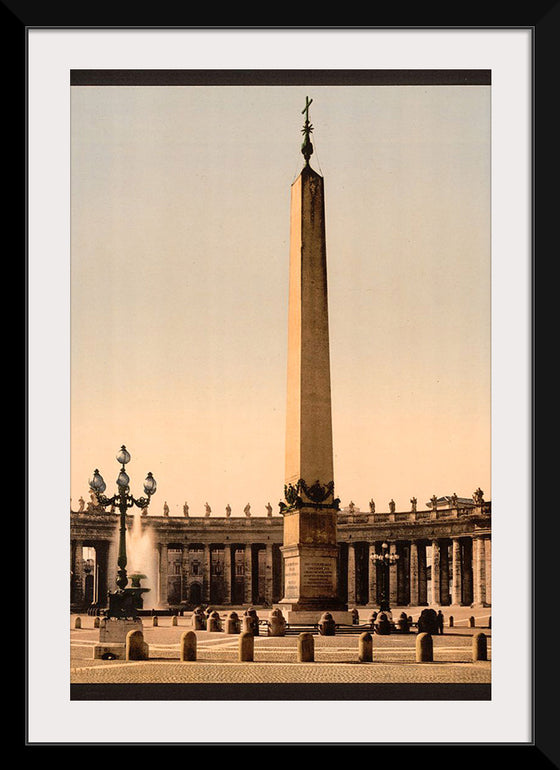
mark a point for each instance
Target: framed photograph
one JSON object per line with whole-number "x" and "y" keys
{"x": 169, "y": 171}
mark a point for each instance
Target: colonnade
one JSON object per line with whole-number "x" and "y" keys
{"x": 218, "y": 573}
{"x": 443, "y": 559}
{"x": 439, "y": 571}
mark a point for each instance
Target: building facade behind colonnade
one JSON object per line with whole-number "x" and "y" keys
{"x": 444, "y": 557}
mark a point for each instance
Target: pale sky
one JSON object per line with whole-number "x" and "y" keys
{"x": 179, "y": 289}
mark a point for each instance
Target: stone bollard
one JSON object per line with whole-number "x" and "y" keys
{"x": 471, "y": 621}
{"x": 479, "y": 647}
{"x": 199, "y": 620}
{"x": 251, "y": 622}
{"x": 96, "y": 622}
{"x": 214, "y": 622}
{"x": 382, "y": 624}
{"x": 253, "y": 614}
{"x": 424, "y": 648}
{"x": 155, "y": 621}
{"x": 276, "y": 623}
{"x": 135, "y": 646}
{"x": 78, "y": 623}
{"x": 327, "y": 624}
{"x": 233, "y": 624}
{"x": 365, "y": 648}
{"x": 402, "y": 624}
{"x": 246, "y": 646}
{"x": 174, "y": 620}
{"x": 188, "y": 646}
{"x": 305, "y": 648}
{"x": 451, "y": 621}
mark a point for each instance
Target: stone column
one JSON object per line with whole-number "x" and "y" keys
{"x": 436, "y": 586}
{"x": 77, "y": 567}
{"x": 444, "y": 572}
{"x": 248, "y": 574}
{"x": 351, "y": 574}
{"x": 372, "y": 584}
{"x": 467, "y": 571}
{"x": 227, "y": 573}
{"x": 422, "y": 575}
{"x": 488, "y": 570}
{"x": 414, "y": 600}
{"x": 457, "y": 572}
{"x": 269, "y": 575}
{"x": 478, "y": 572}
{"x": 162, "y": 572}
{"x": 206, "y": 574}
{"x": 403, "y": 574}
{"x": 393, "y": 577}
{"x": 185, "y": 573}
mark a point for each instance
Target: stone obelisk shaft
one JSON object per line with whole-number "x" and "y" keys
{"x": 309, "y": 550}
{"x": 309, "y": 451}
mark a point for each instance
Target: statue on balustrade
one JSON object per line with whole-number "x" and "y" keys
{"x": 247, "y": 510}
{"x": 391, "y": 505}
{"x": 94, "y": 505}
{"x": 228, "y": 511}
{"x": 371, "y": 506}
{"x": 82, "y": 503}
{"x": 208, "y": 510}
{"x": 186, "y": 509}
{"x": 268, "y": 509}
{"x": 478, "y": 496}
{"x": 433, "y": 500}
{"x": 165, "y": 508}
{"x": 414, "y": 503}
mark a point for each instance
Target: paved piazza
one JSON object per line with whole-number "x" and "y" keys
{"x": 275, "y": 658}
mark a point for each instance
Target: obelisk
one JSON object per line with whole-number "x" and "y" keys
{"x": 310, "y": 553}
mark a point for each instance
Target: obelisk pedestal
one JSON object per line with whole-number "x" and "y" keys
{"x": 309, "y": 551}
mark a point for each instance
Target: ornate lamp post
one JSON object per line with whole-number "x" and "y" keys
{"x": 125, "y": 601}
{"x": 385, "y": 559}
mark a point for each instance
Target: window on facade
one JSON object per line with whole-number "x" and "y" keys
{"x": 195, "y": 568}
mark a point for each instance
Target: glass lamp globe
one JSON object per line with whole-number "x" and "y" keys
{"x": 123, "y": 480}
{"x": 150, "y": 485}
{"x": 123, "y": 456}
{"x": 97, "y": 483}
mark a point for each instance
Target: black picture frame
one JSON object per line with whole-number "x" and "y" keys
{"x": 18, "y": 17}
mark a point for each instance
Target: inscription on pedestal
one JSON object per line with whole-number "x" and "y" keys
{"x": 309, "y": 577}
{"x": 291, "y": 578}
{"x": 318, "y": 578}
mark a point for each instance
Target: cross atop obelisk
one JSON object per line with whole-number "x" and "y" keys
{"x": 307, "y": 147}
{"x": 309, "y": 550}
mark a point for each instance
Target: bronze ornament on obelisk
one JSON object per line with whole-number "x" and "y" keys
{"x": 309, "y": 551}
